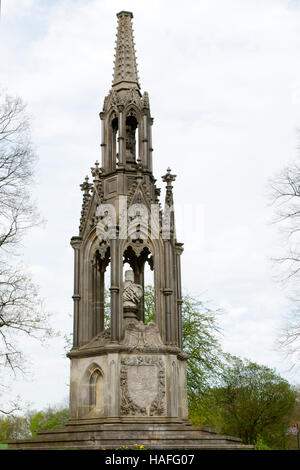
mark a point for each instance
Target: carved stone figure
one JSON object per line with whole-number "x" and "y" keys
{"x": 130, "y": 143}
{"x": 132, "y": 294}
{"x": 139, "y": 336}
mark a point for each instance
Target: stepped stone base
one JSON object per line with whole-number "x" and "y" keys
{"x": 109, "y": 435}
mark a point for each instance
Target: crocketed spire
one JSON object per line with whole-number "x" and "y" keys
{"x": 125, "y": 67}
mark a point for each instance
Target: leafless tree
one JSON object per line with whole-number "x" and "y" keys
{"x": 17, "y": 212}
{"x": 285, "y": 193}
{"x": 21, "y": 310}
{"x": 286, "y": 198}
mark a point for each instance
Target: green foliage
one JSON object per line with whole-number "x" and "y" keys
{"x": 149, "y": 304}
{"x": 106, "y": 309}
{"x": 14, "y": 427}
{"x": 200, "y": 341}
{"x": 203, "y": 410}
{"x": 290, "y": 442}
{"x": 48, "y": 419}
{"x": 254, "y": 402}
{"x": 260, "y": 445}
{"x": 27, "y": 426}
{"x": 4, "y": 424}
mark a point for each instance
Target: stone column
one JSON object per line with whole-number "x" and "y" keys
{"x": 169, "y": 245}
{"x": 94, "y": 299}
{"x": 150, "y": 145}
{"x": 168, "y": 292}
{"x": 121, "y": 138}
{"x": 114, "y": 148}
{"x": 145, "y": 141}
{"x": 97, "y": 291}
{"x": 172, "y": 285}
{"x": 114, "y": 289}
{"x": 139, "y": 279}
{"x": 101, "y": 301}
{"x": 76, "y": 244}
{"x": 179, "y": 251}
{"x": 103, "y": 145}
{"x": 113, "y": 395}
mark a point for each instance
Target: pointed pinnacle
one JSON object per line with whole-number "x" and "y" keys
{"x": 125, "y": 66}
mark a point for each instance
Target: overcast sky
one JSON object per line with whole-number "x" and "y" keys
{"x": 224, "y": 83}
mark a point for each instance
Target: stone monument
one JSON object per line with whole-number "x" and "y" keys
{"x": 128, "y": 379}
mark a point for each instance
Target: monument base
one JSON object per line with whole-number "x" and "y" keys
{"x": 127, "y": 394}
{"x": 89, "y": 435}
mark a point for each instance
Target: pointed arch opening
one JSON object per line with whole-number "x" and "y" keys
{"x": 136, "y": 258}
{"x": 130, "y": 141}
{"x": 113, "y": 139}
{"x": 149, "y": 295}
{"x": 100, "y": 266}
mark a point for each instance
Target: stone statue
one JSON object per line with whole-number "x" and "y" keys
{"x": 130, "y": 143}
{"x": 132, "y": 294}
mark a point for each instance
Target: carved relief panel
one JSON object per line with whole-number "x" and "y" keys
{"x": 143, "y": 386}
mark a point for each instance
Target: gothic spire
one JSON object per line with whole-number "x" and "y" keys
{"x": 125, "y": 66}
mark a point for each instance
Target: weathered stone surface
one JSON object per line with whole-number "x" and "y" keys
{"x": 139, "y": 336}
{"x": 143, "y": 385}
{"x": 112, "y": 436}
{"x": 136, "y": 382}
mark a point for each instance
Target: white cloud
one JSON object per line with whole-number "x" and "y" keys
{"x": 15, "y": 7}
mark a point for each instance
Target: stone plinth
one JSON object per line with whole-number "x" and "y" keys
{"x": 137, "y": 377}
{"x": 160, "y": 435}
{"x": 129, "y": 393}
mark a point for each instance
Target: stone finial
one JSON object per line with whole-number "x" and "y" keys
{"x": 168, "y": 178}
{"x": 86, "y": 186}
{"x": 145, "y": 100}
{"x": 86, "y": 189}
{"x": 96, "y": 173}
{"x": 125, "y": 66}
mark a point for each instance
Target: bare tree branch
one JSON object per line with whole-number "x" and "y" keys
{"x": 21, "y": 309}
{"x": 285, "y": 197}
